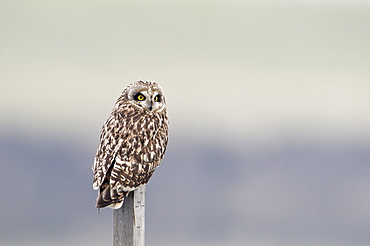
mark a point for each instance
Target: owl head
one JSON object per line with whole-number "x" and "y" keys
{"x": 146, "y": 95}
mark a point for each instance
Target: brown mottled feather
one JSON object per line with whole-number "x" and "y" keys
{"x": 132, "y": 144}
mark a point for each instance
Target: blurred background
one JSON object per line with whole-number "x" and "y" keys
{"x": 269, "y": 106}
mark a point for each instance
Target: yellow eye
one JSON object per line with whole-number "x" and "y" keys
{"x": 140, "y": 97}
{"x": 156, "y": 98}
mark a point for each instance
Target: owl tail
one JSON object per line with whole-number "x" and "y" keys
{"x": 105, "y": 199}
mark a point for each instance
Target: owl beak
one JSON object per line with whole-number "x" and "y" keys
{"x": 150, "y": 106}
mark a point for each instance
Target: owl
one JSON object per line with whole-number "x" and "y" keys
{"x": 133, "y": 141}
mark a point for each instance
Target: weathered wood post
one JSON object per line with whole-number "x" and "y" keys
{"x": 129, "y": 220}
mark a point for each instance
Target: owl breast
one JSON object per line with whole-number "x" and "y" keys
{"x": 141, "y": 150}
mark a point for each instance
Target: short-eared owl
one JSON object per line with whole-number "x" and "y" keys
{"x": 132, "y": 143}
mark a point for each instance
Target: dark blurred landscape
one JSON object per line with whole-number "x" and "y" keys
{"x": 293, "y": 191}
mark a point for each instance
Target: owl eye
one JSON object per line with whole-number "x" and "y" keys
{"x": 157, "y": 98}
{"x": 139, "y": 97}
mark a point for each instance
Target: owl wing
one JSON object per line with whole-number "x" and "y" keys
{"x": 113, "y": 133}
{"x": 106, "y": 151}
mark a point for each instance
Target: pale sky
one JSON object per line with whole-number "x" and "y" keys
{"x": 247, "y": 67}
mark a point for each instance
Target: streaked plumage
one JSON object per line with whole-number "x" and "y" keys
{"x": 133, "y": 141}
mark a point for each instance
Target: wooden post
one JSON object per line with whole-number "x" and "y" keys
{"x": 129, "y": 220}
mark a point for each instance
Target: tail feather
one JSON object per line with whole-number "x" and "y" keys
{"x": 105, "y": 199}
